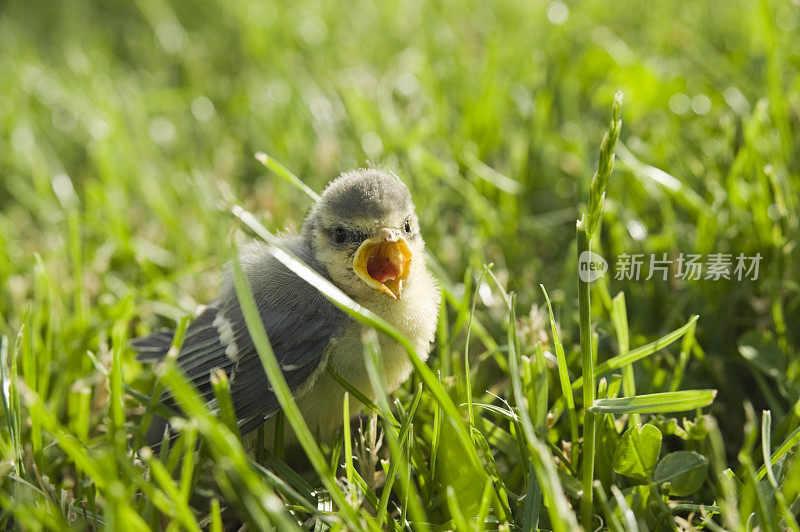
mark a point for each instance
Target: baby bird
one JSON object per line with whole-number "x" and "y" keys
{"x": 363, "y": 235}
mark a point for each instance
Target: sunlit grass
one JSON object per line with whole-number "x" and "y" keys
{"x": 128, "y": 132}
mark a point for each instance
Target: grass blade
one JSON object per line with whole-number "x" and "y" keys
{"x": 561, "y": 515}
{"x": 286, "y": 174}
{"x": 563, "y": 373}
{"x": 363, "y": 399}
{"x": 640, "y": 352}
{"x": 792, "y": 440}
{"x": 234, "y": 474}
{"x": 180, "y": 509}
{"x": 284, "y": 395}
{"x": 619, "y": 317}
{"x": 656, "y": 403}
{"x": 348, "y": 446}
{"x": 588, "y": 378}
{"x": 219, "y": 384}
{"x": 766, "y": 432}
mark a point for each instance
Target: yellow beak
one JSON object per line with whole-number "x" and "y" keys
{"x": 383, "y": 262}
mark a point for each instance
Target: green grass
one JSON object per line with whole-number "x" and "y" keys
{"x": 129, "y": 131}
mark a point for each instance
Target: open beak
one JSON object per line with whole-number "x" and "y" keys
{"x": 384, "y": 261}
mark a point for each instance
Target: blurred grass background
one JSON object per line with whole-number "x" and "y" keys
{"x": 118, "y": 118}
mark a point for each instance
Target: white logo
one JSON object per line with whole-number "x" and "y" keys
{"x": 591, "y": 266}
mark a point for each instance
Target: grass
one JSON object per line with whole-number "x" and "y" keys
{"x": 128, "y": 133}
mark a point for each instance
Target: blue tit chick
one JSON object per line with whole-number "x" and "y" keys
{"x": 363, "y": 235}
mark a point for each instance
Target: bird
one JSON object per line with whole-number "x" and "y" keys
{"x": 363, "y": 235}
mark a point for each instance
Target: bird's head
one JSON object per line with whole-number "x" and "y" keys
{"x": 365, "y": 232}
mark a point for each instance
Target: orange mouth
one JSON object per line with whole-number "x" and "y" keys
{"x": 383, "y": 265}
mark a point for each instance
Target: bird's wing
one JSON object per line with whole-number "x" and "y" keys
{"x": 299, "y": 321}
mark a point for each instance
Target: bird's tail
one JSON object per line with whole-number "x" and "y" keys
{"x": 153, "y": 347}
{"x": 150, "y": 349}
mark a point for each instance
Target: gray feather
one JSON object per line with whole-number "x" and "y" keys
{"x": 299, "y": 322}
{"x": 153, "y": 347}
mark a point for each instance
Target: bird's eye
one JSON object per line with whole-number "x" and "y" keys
{"x": 340, "y": 235}
{"x": 407, "y": 226}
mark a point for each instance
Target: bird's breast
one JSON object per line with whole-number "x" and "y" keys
{"x": 415, "y": 316}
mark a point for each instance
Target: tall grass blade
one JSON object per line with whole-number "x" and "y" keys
{"x": 563, "y": 373}
{"x": 766, "y": 433}
{"x": 790, "y": 441}
{"x": 639, "y": 353}
{"x": 656, "y": 403}
{"x": 234, "y": 474}
{"x": 286, "y": 174}
{"x": 284, "y": 395}
{"x": 561, "y": 515}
